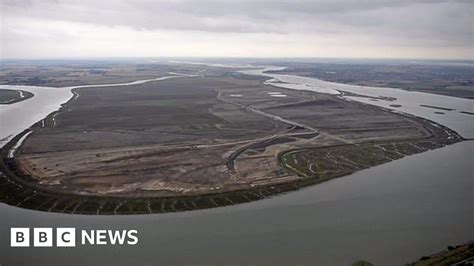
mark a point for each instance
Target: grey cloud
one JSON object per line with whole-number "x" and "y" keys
{"x": 439, "y": 23}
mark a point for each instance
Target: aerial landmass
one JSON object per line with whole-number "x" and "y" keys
{"x": 205, "y": 137}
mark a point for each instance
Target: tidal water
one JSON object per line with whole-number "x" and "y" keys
{"x": 389, "y": 214}
{"x": 14, "y": 118}
{"x": 453, "y": 112}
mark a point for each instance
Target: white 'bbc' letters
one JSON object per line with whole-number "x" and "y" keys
{"x": 43, "y": 237}
{"x": 65, "y": 237}
{"x": 20, "y": 237}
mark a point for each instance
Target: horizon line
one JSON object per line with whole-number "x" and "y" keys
{"x": 232, "y": 57}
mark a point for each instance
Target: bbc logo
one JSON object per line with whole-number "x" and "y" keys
{"x": 42, "y": 237}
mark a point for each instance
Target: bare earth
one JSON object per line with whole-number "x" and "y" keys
{"x": 208, "y": 135}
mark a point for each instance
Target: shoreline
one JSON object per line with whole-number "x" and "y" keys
{"x": 89, "y": 205}
{"x": 452, "y": 255}
{"x": 40, "y": 197}
{"x": 70, "y": 89}
{"x": 394, "y": 99}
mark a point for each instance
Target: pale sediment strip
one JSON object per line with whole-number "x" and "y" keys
{"x": 12, "y": 151}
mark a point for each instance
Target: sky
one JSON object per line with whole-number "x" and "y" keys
{"x": 34, "y": 29}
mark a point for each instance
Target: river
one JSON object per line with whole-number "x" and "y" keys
{"x": 14, "y": 118}
{"x": 453, "y": 112}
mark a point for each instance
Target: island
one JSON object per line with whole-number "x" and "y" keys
{"x": 8, "y": 96}
{"x": 199, "y": 141}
